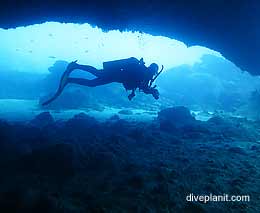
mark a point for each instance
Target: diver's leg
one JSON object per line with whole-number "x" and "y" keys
{"x": 63, "y": 82}
{"x": 90, "y": 83}
{"x": 74, "y": 65}
{"x": 90, "y": 69}
{"x": 57, "y": 94}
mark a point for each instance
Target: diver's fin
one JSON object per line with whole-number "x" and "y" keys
{"x": 63, "y": 83}
{"x": 64, "y": 78}
{"x": 57, "y": 94}
{"x": 50, "y": 100}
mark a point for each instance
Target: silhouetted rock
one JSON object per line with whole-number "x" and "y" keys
{"x": 114, "y": 118}
{"x": 82, "y": 119}
{"x": 82, "y": 165}
{"x": 42, "y": 120}
{"x": 173, "y": 117}
{"x": 81, "y": 125}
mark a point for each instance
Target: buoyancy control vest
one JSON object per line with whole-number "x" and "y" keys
{"x": 130, "y": 71}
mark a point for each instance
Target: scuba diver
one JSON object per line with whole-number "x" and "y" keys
{"x": 131, "y": 72}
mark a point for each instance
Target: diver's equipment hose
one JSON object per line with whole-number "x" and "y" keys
{"x": 151, "y": 82}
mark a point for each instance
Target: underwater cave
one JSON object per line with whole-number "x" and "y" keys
{"x": 175, "y": 129}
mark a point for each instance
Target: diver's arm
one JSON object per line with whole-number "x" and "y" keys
{"x": 130, "y": 97}
{"x": 151, "y": 90}
{"x": 144, "y": 86}
{"x": 147, "y": 90}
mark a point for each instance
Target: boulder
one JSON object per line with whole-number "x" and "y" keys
{"x": 114, "y": 118}
{"x": 175, "y": 117}
{"x": 42, "y": 120}
{"x": 81, "y": 125}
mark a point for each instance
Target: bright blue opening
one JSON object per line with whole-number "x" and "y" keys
{"x": 35, "y": 48}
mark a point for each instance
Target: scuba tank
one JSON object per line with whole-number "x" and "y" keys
{"x": 120, "y": 64}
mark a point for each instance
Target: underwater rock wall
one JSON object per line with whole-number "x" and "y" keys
{"x": 213, "y": 84}
{"x": 82, "y": 165}
{"x": 229, "y": 27}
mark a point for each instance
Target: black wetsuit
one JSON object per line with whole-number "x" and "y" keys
{"x": 132, "y": 75}
{"x": 130, "y": 72}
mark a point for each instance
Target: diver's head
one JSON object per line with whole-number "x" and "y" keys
{"x": 153, "y": 68}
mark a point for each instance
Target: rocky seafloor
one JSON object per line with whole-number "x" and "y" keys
{"x": 84, "y": 165}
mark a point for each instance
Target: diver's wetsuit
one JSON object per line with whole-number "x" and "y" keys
{"x": 102, "y": 77}
{"x": 132, "y": 78}
{"x": 132, "y": 75}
